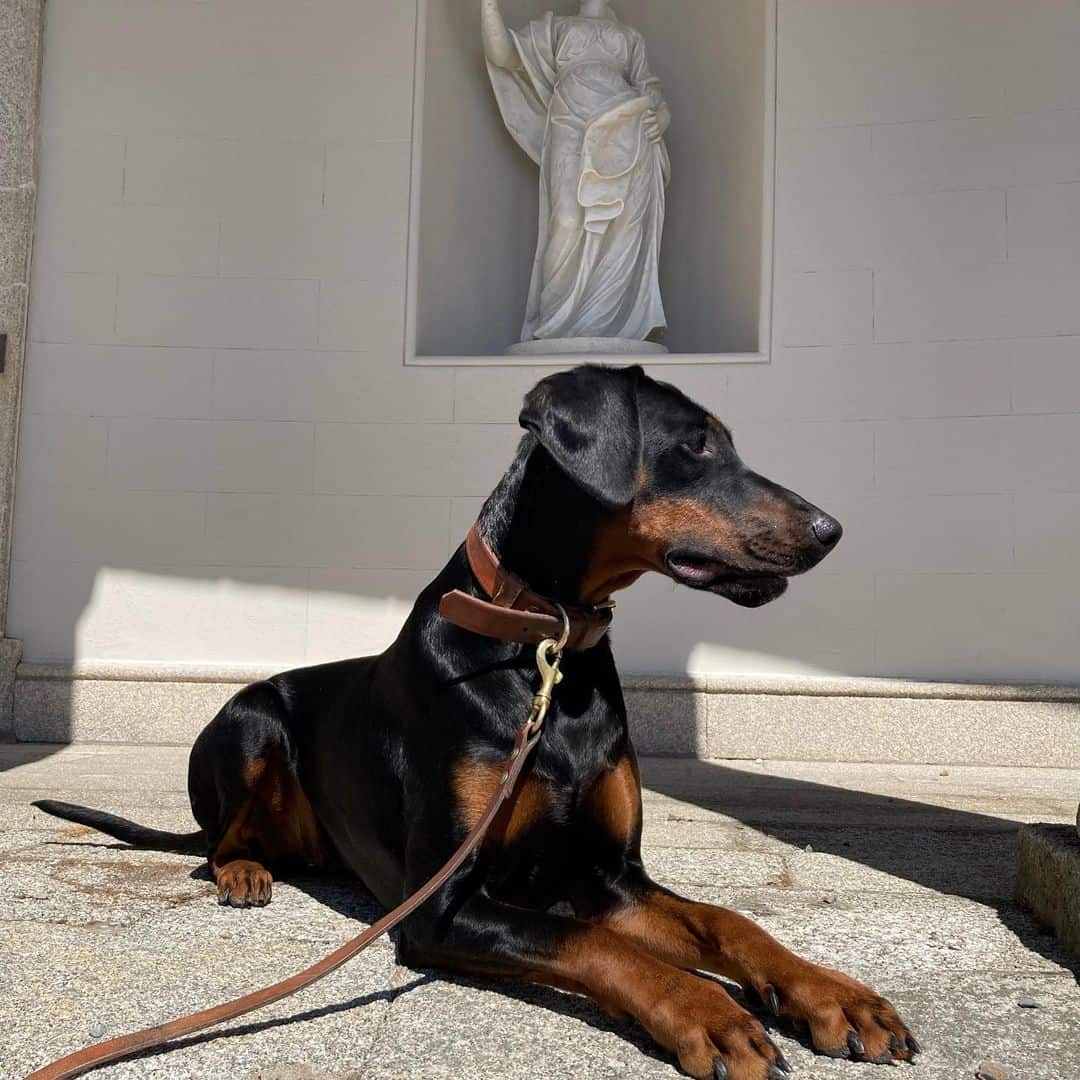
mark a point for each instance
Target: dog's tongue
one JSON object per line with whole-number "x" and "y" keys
{"x": 699, "y": 570}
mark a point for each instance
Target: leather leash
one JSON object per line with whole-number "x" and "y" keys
{"x": 548, "y": 654}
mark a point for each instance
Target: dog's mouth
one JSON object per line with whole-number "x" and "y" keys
{"x": 746, "y": 588}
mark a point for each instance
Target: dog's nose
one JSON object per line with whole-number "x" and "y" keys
{"x": 827, "y": 530}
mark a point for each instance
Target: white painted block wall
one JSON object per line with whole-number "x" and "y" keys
{"x": 223, "y": 460}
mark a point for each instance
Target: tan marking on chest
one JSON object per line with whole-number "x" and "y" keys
{"x": 615, "y": 799}
{"x": 475, "y": 783}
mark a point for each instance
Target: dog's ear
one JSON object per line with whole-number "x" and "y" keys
{"x": 587, "y": 420}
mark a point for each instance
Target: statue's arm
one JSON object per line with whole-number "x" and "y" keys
{"x": 498, "y": 45}
{"x": 663, "y": 115}
{"x": 649, "y": 85}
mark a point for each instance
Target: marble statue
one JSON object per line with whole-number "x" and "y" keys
{"x": 577, "y": 95}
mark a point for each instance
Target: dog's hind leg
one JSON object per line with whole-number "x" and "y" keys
{"x": 246, "y": 793}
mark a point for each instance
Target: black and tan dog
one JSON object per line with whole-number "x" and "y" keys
{"x": 384, "y": 763}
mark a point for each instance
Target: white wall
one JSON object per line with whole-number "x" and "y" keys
{"x": 224, "y": 461}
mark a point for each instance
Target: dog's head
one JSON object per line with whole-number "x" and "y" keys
{"x": 679, "y": 500}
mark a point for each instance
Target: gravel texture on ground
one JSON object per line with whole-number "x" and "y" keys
{"x": 902, "y": 876}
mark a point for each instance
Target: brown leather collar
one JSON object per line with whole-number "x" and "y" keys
{"x": 515, "y": 612}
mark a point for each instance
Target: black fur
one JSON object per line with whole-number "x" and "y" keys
{"x": 131, "y": 833}
{"x": 588, "y": 421}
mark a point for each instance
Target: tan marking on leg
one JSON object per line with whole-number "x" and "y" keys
{"x": 253, "y": 771}
{"x": 275, "y": 822}
{"x": 694, "y": 1018}
{"x": 694, "y": 935}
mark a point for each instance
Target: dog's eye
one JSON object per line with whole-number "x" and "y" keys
{"x": 698, "y": 446}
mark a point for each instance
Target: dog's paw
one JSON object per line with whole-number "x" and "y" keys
{"x": 846, "y": 1019}
{"x": 242, "y": 883}
{"x": 715, "y": 1038}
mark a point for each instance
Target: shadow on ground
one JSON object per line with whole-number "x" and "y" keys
{"x": 28, "y": 753}
{"x": 953, "y": 852}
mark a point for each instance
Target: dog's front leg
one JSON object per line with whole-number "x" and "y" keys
{"x": 695, "y": 1018}
{"x": 846, "y": 1019}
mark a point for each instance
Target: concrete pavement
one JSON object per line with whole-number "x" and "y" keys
{"x": 901, "y": 875}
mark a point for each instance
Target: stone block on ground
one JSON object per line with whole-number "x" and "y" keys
{"x": 1048, "y": 879}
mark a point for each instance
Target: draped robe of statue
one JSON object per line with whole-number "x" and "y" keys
{"x": 576, "y": 105}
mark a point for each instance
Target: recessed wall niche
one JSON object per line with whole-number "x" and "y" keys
{"x": 473, "y": 220}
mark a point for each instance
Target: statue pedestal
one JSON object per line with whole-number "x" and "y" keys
{"x": 586, "y": 346}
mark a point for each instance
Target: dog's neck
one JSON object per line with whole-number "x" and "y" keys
{"x": 541, "y": 525}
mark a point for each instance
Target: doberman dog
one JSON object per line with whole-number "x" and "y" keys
{"x": 384, "y": 763}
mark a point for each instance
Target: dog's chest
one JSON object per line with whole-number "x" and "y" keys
{"x": 549, "y": 830}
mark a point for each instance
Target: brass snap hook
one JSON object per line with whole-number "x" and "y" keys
{"x": 548, "y": 655}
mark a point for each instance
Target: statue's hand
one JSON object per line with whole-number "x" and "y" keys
{"x": 498, "y": 46}
{"x": 651, "y": 126}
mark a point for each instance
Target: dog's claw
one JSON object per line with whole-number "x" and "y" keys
{"x": 223, "y": 899}
{"x": 776, "y": 1073}
{"x": 719, "y": 1070}
{"x": 912, "y": 1045}
{"x": 772, "y": 999}
{"x": 783, "y": 1062}
{"x": 855, "y": 1044}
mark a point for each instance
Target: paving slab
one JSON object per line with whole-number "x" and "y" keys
{"x": 908, "y": 884}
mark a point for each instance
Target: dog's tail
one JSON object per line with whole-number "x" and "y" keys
{"x": 131, "y": 833}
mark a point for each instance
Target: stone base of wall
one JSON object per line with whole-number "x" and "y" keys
{"x": 1048, "y": 879}
{"x": 814, "y": 719}
{"x": 10, "y": 654}
{"x": 21, "y": 25}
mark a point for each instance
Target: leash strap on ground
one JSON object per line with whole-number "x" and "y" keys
{"x": 125, "y": 1046}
